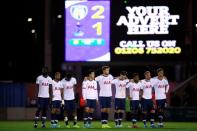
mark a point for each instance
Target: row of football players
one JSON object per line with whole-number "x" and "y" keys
{"x": 138, "y": 91}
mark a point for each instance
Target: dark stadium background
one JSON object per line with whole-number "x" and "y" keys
{"x": 23, "y": 54}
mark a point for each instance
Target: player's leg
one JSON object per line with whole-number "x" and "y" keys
{"x": 103, "y": 111}
{"x": 160, "y": 108}
{"x": 121, "y": 112}
{"x": 144, "y": 111}
{"x": 116, "y": 112}
{"x": 108, "y": 109}
{"x": 116, "y": 118}
{"x": 37, "y": 114}
{"x": 152, "y": 113}
{"x": 103, "y": 117}
{"x": 53, "y": 115}
{"x": 57, "y": 113}
{"x": 92, "y": 106}
{"x": 44, "y": 107}
{"x": 105, "y": 103}
{"x": 66, "y": 108}
{"x": 90, "y": 117}
{"x": 73, "y": 108}
{"x": 135, "y": 105}
{"x": 86, "y": 114}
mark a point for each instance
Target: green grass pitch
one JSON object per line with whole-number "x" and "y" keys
{"x": 28, "y": 126}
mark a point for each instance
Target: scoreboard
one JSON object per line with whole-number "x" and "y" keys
{"x": 124, "y": 30}
{"x": 87, "y": 29}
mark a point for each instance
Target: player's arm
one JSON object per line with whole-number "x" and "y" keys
{"x": 98, "y": 78}
{"x": 75, "y": 86}
{"x": 114, "y": 78}
{"x": 153, "y": 91}
{"x": 128, "y": 95}
{"x": 97, "y": 100}
{"x": 36, "y": 91}
{"x": 84, "y": 90}
{"x": 165, "y": 77}
{"x": 75, "y": 89}
{"x": 50, "y": 91}
{"x": 37, "y": 87}
{"x": 128, "y": 90}
{"x": 153, "y": 95}
{"x": 126, "y": 78}
{"x": 167, "y": 86}
{"x": 114, "y": 82}
{"x": 131, "y": 80}
{"x": 141, "y": 91}
{"x": 111, "y": 77}
{"x": 50, "y": 88}
{"x": 62, "y": 93}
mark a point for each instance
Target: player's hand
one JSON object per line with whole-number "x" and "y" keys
{"x": 140, "y": 105}
{"x": 165, "y": 77}
{"x": 97, "y": 102}
{"x": 85, "y": 101}
{"x": 62, "y": 102}
{"x": 154, "y": 106}
{"x": 50, "y": 104}
{"x": 129, "y": 98}
{"x": 166, "y": 104}
{"x": 36, "y": 99}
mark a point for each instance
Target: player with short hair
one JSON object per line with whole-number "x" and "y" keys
{"x": 120, "y": 97}
{"x": 161, "y": 88}
{"x": 147, "y": 102}
{"x": 43, "y": 84}
{"x": 57, "y": 91}
{"x": 90, "y": 95}
{"x": 69, "y": 84}
{"x": 105, "y": 82}
{"x": 134, "y": 92}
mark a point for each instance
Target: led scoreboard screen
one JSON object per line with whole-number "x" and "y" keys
{"x": 147, "y": 30}
{"x": 87, "y": 28}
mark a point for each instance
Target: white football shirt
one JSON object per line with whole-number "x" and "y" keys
{"x": 57, "y": 86}
{"x": 161, "y": 87}
{"x": 69, "y": 86}
{"x": 105, "y": 83}
{"x": 134, "y": 90}
{"x": 120, "y": 86}
{"x": 89, "y": 90}
{"x": 147, "y": 87}
{"x": 43, "y": 86}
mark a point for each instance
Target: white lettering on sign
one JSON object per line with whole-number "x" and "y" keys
{"x": 148, "y": 20}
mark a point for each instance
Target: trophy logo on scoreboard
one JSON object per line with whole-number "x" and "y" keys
{"x": 79, "y": 12}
